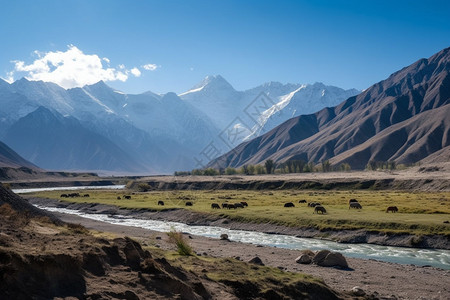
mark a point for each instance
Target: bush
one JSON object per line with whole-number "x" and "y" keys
{"x": 77, "y": 228}
{"x": 144, "y": 187}
{"x": 177, "y": 238}
{"x": 130, "y": 184}
{"x": 230, "y": 171}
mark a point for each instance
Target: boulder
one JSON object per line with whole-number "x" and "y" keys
{"x": 256, "y": 260}
{"x": 326, "y": 258}
{"x": 224, "y": 237}
{"x": 303, "y": 259}
{"x": 357, "y": 291}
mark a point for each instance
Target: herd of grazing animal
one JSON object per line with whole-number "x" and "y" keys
{"x": 74, "y": 195}
{"x": 318, "y": 208}
{"x": 227, "y": 205}
{"x": 352, "y": 203}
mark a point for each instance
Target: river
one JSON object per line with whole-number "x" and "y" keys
{"x": 69, "y": 188}
{"x": 402, "y": 255}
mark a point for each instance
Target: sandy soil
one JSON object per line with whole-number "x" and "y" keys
{"x": 385, "y": 280}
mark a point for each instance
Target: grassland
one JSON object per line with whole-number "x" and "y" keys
{"x": 419, "y": 212}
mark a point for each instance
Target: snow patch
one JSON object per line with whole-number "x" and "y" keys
{"x": 192, "y": 91}
{"x": 107, "y": 109}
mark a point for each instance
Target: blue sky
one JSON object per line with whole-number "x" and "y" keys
{"x": 167, "y": 46}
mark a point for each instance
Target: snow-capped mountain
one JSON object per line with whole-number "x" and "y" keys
{"x": 148, "y": 132}
{"x": 303, "y": 99}
{"x": 242, "y": 115}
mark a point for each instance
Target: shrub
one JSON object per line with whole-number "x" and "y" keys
{"x": 77, "y": 228}
{"x": 130, "y": 184}
{"x": 230, "y": 171}
{"x": 177, "y": 238}
{"x": 144, "y": 187}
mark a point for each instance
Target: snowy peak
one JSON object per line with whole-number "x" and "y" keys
{"x": 211, "y": 83}
{"x": 101, "y": 85}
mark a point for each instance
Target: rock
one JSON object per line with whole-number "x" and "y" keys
{"x": 326, "y": 258}
{"x": 256, "y": 260}
{"x": 158, "y": 238}
{"x": 357, "y": 291}
{"x": 224, "y": 237}
{"x": 303, "y": 259}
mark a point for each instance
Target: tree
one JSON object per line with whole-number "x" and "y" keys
{"x": 290, "y": 166}
{"x": 259, "y": 169}
{"x": 244, "y": 170}
{"x": 345, "y": 167}
{"x": 251, "y": 169}
{"x": 210, "y": 172}
{"x": 230, "y": 171}
{"x": 298, "y": 166}
{"x": 326, "y": 166}
{"x": 270, "y": 166}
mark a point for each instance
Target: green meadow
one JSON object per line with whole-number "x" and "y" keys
{"x": 419, "y": 212}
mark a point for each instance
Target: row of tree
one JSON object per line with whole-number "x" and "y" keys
{"x": 381, "y": 165}
{"x": 270, "y": 167}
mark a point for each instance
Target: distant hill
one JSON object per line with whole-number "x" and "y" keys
{"x": 404, "y": 118}
{"x": 57, "y": 142}
{"x": 10, "y": 159}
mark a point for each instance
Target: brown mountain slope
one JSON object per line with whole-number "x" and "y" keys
{"x": 418, "y": 88}
{"x": 10, "y": 159}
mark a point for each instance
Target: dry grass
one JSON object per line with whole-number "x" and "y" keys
{"x": 419, "y": 212}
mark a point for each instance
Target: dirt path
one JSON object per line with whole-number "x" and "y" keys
{"x": 387, "y": 280}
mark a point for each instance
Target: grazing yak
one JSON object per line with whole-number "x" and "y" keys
{"x": 355, "y": 205}
{"x": 86, "y": 195}
{"x": 231, "y": 206}
{"x": 313, "y": 204}
{"x": 64, "y": 196}
{"x": 302, "y": 201}
{"x": 238, "y": 205}
{"x": 215, "y": 206}
{"x": 393, "y": 209}
{"x": 127, "y": 197}
{"x": 160, "y": 202}
{"x": 118, "y": 198}
{"x": 289, "y": 204}
{"x": 319, "y": 208}
{"x": 245, "y": 204}
{"x": 352, "y": 201}
{"x": 189, "y": 203}
{"x": 224, "y": 205}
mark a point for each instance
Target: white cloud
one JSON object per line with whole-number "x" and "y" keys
{"x": 150, "y": 67}
{"x": 71, "y": 68}
{"x": 135, "y": 72}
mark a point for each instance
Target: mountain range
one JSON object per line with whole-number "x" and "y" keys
{"x": 97, "y": 128}
{"x": 405, "y": 119}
